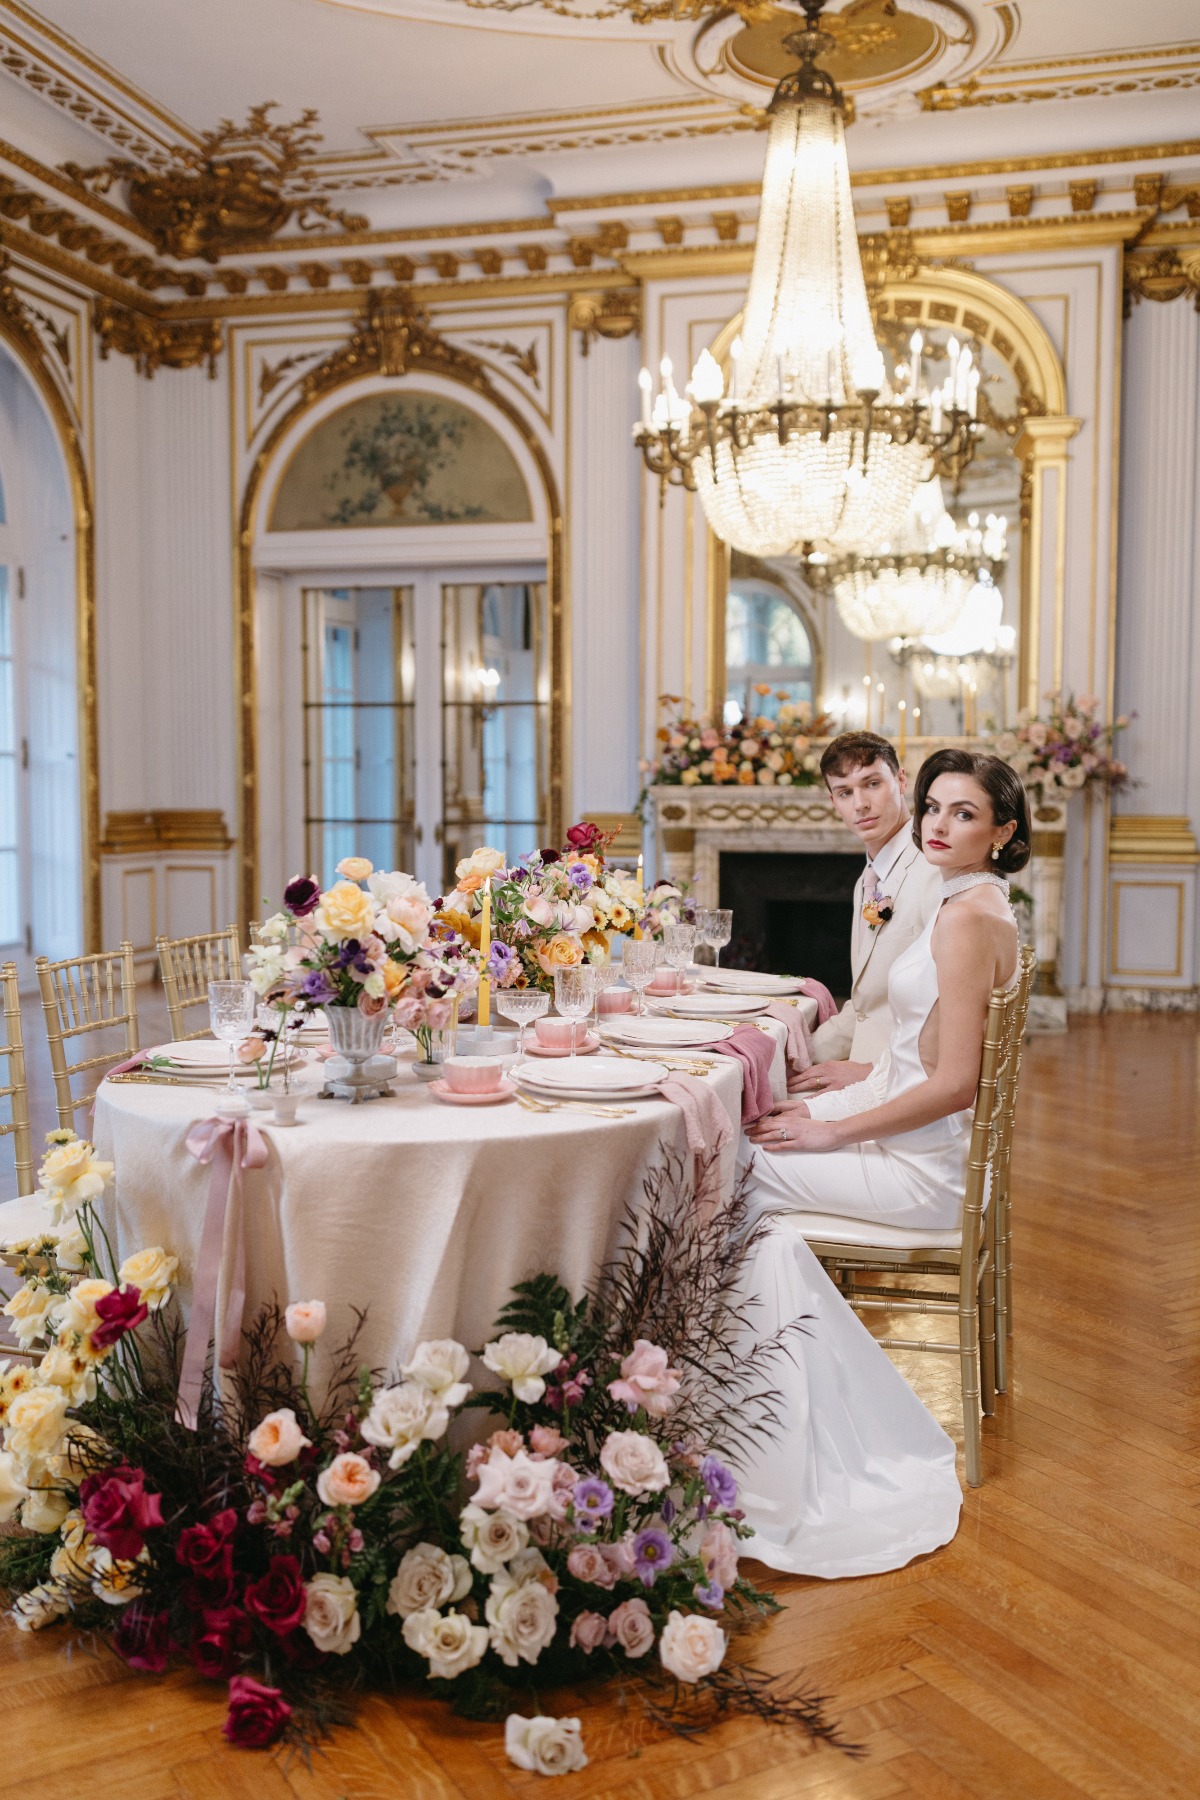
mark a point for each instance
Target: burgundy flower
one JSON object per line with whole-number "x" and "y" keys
{"x": 121, "y": 1311}
{"x": 257, "y": 1714}
{"x": 301, "y": 895}
{"x": 118, "y": 1512}
{"x": 220, "y": 1640}
{"x": 550, "y": 855}
{"x": 277, "y": 1598}
{"x": 143, "y": 1638}
{"x": 584, "y": 837}
{"x": 206, "y": 1551}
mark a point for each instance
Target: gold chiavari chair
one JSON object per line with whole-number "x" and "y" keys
{"x": 83, "y": 995}
{"x": 188, "y": 965}
{"x": 1000, "y": 1205}
{"x": 853, "y": 1248}
{"x": 16, "y": 1089}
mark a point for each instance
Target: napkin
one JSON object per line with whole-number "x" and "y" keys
{"x": 139, "y": 1060}
{"x": 798, "y": 1051}
{"x": 756, "y": 1052}
{"x": 826, "y": 1004}
{"x": 708, "y": 1130}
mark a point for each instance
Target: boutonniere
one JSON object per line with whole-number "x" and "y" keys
{"x": 878, "y": 911}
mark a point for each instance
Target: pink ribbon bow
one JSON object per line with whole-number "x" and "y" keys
{"x": 230, "y": 1145}
{"x": 708, "y": 1131}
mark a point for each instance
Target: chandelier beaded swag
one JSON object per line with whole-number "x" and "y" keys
{"x": 811, "y": 444}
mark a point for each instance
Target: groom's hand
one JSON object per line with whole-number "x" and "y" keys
{"x": 824, "y": 1077}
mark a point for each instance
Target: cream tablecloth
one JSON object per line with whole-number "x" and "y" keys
{"x": 423, "y": 1213}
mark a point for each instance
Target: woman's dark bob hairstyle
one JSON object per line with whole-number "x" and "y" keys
{"x": 1003, "y": 787}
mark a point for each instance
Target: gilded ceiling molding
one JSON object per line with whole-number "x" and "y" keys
{"x": 240, "y": 186}
{"x": 1082, "y": 84}
{"x": 1162, "y": 275}
{"x": 392, "y": 337}
{"x": 81, "y": 238}
{"x": 156, "y": 343}
{"x": 615, "y": 314}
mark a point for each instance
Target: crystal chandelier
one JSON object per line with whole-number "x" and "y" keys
{"x": 810, "y": 445}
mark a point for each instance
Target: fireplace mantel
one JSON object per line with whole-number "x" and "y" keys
{"x": 695, "y": 824}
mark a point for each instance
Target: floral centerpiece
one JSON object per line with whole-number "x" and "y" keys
{"x": 760, "y": 751}
{"x": 1071, "y": 748}
{"x": 308, "y": 1535}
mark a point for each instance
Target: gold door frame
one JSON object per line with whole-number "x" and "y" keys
{"x": 341, "y": 378}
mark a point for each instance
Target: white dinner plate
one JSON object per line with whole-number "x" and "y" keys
{"x": 666, "y": 1034}
{"x": 716, "y": 1006}
{"x": 205, "y": 1057}
{"x": 751, "y": 981}
{"x": 617, "y": 1096}
{"x": 613, "y": 1075}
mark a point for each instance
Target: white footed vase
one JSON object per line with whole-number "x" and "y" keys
{"x": 357, "y": 1037}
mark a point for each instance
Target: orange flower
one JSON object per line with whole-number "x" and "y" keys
{"x": 746, "y": 775}
{"x": 762, "y": 687}
{"x": 467, "y": 928}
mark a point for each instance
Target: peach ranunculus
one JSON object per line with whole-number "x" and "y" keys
{"x": 278, "y": 1439}
{"x": 562, "y": 952}
{"x": 355, "y": 868}
{"x": 646, "y": 1380}
{"x": 346, "y": 911}
{"x": 348, "y": 1481}
{"x": 251, "y": 1049}
{"x": 305, "y": 1320}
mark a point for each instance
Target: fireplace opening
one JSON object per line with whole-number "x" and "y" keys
{"x": 791, "y": 914}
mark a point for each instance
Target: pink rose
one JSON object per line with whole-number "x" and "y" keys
{"x": 719, "y": 1554}
{"x": 250, "y": 1050}
{"x": 709, "y": 738}
{"x": 587, "y": 1562}
{"x": 278, "y": 1440}
{"x": 619, "y": 1558}
{"x": 348, "y": 1481}
{"x": 646, "y": 1380}
{"x": 371, "y": 1005}
{"x": 518, "y": 1484}
{"x": 632, "y": 1627}
{"x": 546, "y": 1440}
{"x": 589, "y": 1632}
{"x": 634, "y": 1463}
{"x": 305, "y": 1320}
{"x": 540, "y": 910}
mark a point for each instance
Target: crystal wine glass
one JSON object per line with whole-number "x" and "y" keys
{"x": 573, "y": 995}
{"x": 231, "y": 1010}
{"x": 679, "y": 941}
{"x": 718, "y": 930}
{"x": 603, "y": 976}
{"x": 522, "y": 1006}
{"x": 638, "y": 961}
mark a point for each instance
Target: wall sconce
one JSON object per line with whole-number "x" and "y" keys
{"x": 487, "y": 681}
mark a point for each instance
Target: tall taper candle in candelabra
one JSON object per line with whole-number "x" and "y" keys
{"x": 484, "y": 1011}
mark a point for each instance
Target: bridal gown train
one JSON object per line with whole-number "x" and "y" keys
{"x": 860, "y": 1477}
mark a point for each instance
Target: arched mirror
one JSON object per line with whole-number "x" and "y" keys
{"x": 770, "y": 643}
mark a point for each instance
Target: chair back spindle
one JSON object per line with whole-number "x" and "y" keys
{"x": 83, "y": 996}
{"x": 16, "y": 1086}
{"x": 188, "y": 965}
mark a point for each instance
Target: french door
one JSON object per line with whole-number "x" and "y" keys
{"x": 426, "y": 719}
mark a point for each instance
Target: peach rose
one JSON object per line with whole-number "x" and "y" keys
{"x": 562, "y": 952}
{"x": 355, "y": 868}
{"x": 348, "y": 1481}
{"x": 346, "y": 911}
{"x": 278, "y": 1439}
{"x": 634, "y": 1463}
{"x": 305, "y": 1321}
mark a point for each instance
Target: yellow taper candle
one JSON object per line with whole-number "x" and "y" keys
{"x": 641, "y": 894}
{"x": 483, "y": 1014}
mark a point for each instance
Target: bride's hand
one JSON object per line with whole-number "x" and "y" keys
{"x": 792, "y": 1129}
{"x": 826, "y": 1077}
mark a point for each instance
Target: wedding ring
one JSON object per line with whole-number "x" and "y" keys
{"x": 783, "y": 1131}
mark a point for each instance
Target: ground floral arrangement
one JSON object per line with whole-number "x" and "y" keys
{"x": 1069, "y": 749}
{"x": 756, "y": 752}
{"x": 294, "y": 1548}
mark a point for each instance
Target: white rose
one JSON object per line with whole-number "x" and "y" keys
{"x": 29, "y": 1310}
{"x": 522, "y": 1617}
{"x": 402, "y": 1417}
{"x": 452, "y": 1643}
{"x": 151, "y": 1272}
{"x": 116, "y": 1583}
{"x": 522, "y": 1360}
{"x": 331, "y": 1613}
{"x": 70, "y": 1246}
{"x": 634, "y": 1463}
{"x": 492, "y": 1538}
{"x": 1074, "y": 777}
{"x": 78, "y": 1311}
{"x": 387, "y": 885}
{"x": 691, "y": 1647}
{"x": 12, "y": 1489}
{"x": 41, "y": 1606}
{"x": 440, "y": 1366}
{"x": 68, "y": 1370}
{"x": 35, "y": 1423}
{"x": 545, "y": 1746}
{"x": 45, "y": 1510}
{"x": 428, "y": 1579}
{"x": 71, "y": 1175}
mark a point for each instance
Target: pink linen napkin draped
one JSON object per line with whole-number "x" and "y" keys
{"x": 230, "y": 1145}
{"x": 756, "y": 1052}
{"x": 827, "y": 1006}
{"x": 708, "y": 1130}
{"x": 139, "y": 1060}
{"x": 798, "y": 1050}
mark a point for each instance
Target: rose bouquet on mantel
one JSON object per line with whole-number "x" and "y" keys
{"x": 756, "y": 752}
{"x": 1070, "y": 749}
{"x": 291, "y": 1546}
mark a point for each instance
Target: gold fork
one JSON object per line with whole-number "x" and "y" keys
{"x": 683, "y": 1068}
{"x": 597, "y": 1112}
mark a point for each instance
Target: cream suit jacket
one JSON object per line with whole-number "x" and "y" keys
{"x": 862, "y": 1028}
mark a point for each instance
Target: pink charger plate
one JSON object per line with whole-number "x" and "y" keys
{"x": 584, "y": 1047}
{"x": 444, "y": 1091}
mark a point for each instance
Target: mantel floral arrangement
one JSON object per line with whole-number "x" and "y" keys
{"x": 758, "y": 752}
{"x": 1071, "y": 748}
{"x": 292, "y": 1547}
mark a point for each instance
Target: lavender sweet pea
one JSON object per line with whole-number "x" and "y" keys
{"x": 722, "y": 1487}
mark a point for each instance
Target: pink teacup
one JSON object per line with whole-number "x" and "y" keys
{"x": 555, "y": 1034}
{"x": 472, "y": 1074}
{"x": 615, "y": 1000}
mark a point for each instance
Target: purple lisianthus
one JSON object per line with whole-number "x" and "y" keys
{"x": 503, "y": 965}
{"x": 710, "y": 1594}
{"x": 580, "y": 876}
{"x": 720, "y": 1483}
{"x": 653, "y": 1552}
{"x": 354, "y": 958}
{"x": 317, "y": 987}
{"x": 592, "y": 1500}
{"x": 302, "y": 895}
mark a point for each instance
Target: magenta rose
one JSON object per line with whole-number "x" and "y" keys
{"x": 222, "y": 1637}
{"x": 257, "y": 1714}
{"x": 277, "y": 1599}
{"x": 584, "y": 837}
{"x": 143, "y": 1638}
{"x": 118, "y": 1512}
{"x": 121, "y": 1311}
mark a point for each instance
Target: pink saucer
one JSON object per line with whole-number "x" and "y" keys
{"x": 584, "y": 1047}
{"x": 666, "y": 988}
{"x": 444, "y": 1091}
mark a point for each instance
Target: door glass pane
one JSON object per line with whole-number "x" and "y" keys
{"x": 495, "y": 715}
{"x": 358, "y": 659}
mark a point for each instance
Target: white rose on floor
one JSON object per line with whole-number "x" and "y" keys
{"x": 493, "y": 1538}
{"x": 522, "y": 1360}
{"x": 36, "y": 1421}
{"x": 12, "y": 1489}
{"x": 305, "y": 1321}
{"x": 331, "y": 1613}
{"x": 40, "y": 1606}
{"x": 427, "y": 1579}
{"x": 522, "y": 1616}
{"x": 634, "y": 1463}
{"x": 440, "y": 1365}
{"x": 402, "y": 1417}
{"x": 278, "y": 1440}
{"x": 691, "y": 1647}
{"x": 45, "y": 1510}
{"x": 544, "y": 1746}
{"x": 451, "y": 1643}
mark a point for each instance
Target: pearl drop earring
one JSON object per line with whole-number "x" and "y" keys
{"x": 995, "y": 853}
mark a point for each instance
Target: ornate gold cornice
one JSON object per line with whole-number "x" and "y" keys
{"x": 1166, "y": 274}
{"x": 155, "y": 343}
{"x": 393, "y": 336}
{"x": 614, "y": 314}
{"x": 1147, "y": 838}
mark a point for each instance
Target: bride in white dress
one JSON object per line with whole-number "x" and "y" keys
{"x": 861, "y": 1477}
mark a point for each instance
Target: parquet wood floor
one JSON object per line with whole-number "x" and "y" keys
{"x": 1051, "y": 1652}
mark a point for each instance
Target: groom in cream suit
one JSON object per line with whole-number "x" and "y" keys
{"x": 894, "y": 898}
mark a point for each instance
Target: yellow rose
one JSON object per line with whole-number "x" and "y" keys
{"x": 71, "y": 1371}
{"x": 71, "y": 1175}
{"x": 394, "y": 977}
{"x": 36, "y": 1420}
{"x": 562, "y": 952}
{"x": 355, "y": 868}
{"x": 690, "y": 778}
{"x": 13, "y": 1381}
{"x": 151, "y": 1272}
{"x": 27, "y": 1309}
{"x": 345, "y": 911}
